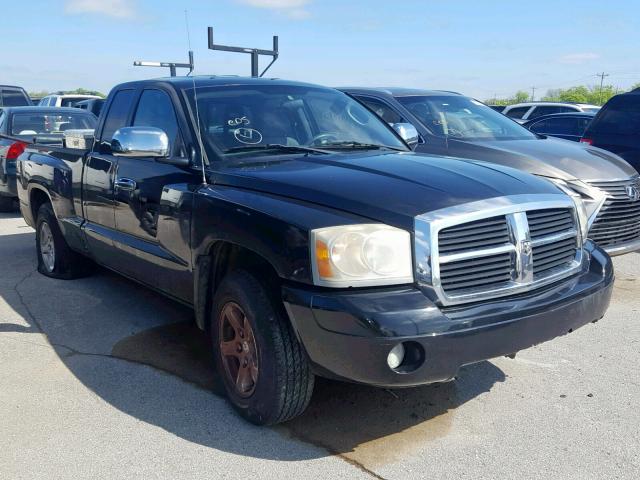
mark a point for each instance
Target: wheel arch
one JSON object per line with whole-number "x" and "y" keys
{"x": 218, "y": 259}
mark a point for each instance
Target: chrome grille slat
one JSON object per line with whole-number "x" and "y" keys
{"x": 492, "y": 232}
{"x": 618, "y": 221}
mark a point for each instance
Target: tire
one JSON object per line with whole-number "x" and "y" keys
{"x": 55, "y": 258}
{"x": 7, "y": 205}
{"x": 284, "y": 383}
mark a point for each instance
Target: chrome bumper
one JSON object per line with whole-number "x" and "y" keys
{"x": 621, "y": 249}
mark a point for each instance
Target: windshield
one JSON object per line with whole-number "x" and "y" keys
{"x": 240, "y": 120}
{"x": 35, "y": 123}
{"x": 463, "y": 118}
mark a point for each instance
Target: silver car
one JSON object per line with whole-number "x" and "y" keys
{"x": 451, "y": 124}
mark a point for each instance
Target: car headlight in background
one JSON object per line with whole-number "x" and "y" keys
{"x": 361, "y": 255}
{"x": 588, "y": 202}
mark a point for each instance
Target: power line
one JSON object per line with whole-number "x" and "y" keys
{"x": 601, "y": 75}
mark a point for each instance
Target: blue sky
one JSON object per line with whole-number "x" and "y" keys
{"x": 480, "y": 48}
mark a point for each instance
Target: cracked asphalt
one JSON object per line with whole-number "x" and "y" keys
{"x": 102, "y": 378}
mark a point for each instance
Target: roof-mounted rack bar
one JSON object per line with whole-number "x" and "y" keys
{"x": 171, "y": 65}
{"x": 254, "y": 52}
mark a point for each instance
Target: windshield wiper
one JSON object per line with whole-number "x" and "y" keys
{"x": 360, "y": 145}
{"x": 277, "y": 147}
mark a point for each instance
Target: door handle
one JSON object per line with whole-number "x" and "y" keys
{"x": 125, "y": 184}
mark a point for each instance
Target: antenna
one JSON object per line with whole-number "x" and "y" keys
{"x": 171, "y": 65}
{"x": 203, "y": 154}
{"x": 254, "y": 52}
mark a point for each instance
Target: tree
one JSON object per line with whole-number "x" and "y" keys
{"x": 83, "y": 91}
{"x": 581, "y": 94}
{"x": 519, "y": 97}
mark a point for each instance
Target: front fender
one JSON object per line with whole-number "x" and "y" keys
{"x": 275, "y": 228}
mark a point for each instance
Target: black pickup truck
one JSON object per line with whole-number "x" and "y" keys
{"x": 309, "y": 239}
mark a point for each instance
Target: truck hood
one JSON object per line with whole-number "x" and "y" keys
{"x": 387, "y": 187}
{"x": 549, "y": 157}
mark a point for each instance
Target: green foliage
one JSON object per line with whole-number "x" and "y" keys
{"x": 519, "y": 97}
{"x": 582, "y": 94}
{"x": 40, "y": 94}
{"x": 79, "y": 91}
{"x": 83, "y": 91}
{"x": 578, "y": 94}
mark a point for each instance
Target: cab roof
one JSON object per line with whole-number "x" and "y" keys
{"x": 183, "y": 83}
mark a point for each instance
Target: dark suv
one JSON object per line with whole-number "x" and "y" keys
{"x": 11, "y": 96}
{"x": 617, "y": 127}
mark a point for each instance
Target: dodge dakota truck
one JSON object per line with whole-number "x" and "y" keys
{"x": 308, "y": 238}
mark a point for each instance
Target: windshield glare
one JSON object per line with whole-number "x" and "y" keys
{"x": 463, "y": 118}
{"x": 255, "y": 116}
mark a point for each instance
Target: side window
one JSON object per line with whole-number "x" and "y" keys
{"x": 3, "y": 119}
{"x": 14, "y": 98}
{"x": 156, "y": 110}
{"x": 540, "y": 126}
{"x": 384, "y": 111}
{"x": 563, "y": 126}
{"x": 117, "y": 115}
{"x": 517, "y": 112}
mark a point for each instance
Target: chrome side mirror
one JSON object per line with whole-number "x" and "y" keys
{"x": 140, "y": 142}
{"x": 407, "y": 132}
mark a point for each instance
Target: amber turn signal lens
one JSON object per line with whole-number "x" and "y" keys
{"x": 322, "y": 257}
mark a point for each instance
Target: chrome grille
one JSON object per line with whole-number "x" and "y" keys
{"x": 485, "y": 272}
{"x": 485, "y": 233}
{"x": 618, "y": 221}
{"x": 543, "y": 223}
{"x": 551, "y": 224}
{"x": 497, "y": 247}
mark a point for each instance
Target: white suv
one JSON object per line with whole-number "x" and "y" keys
{"x": 63, "y": 100}
{"x": 522, "y": 112}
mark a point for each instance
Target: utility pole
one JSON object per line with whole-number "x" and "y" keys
{"x": 533, "y": 94}
{"x": 601, "y": 75}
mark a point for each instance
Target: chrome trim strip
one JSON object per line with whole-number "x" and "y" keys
{"x": 555, "y": 238}
{"x": 427, "y": 260}
{"x": 486, "y": 252}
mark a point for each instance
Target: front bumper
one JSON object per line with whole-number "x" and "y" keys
{"x": 348, "y": 335}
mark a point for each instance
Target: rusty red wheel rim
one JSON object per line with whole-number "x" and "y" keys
{"x": 238, "y": 349}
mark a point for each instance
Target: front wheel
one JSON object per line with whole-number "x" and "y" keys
{"x": 55, "y": 258}
{"x": 264, "y": 368}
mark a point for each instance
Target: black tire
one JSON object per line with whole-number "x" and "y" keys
{"x": 66, "y": 263}
{"x": 284, "y": 382}
{"x": 7, "y": 204}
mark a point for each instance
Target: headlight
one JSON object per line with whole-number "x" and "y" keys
{"x": 580, "y": 204}
{"x": 361, "y": 255}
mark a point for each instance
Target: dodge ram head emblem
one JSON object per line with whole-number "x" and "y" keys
{"x": 633, "y": 192}
{"x": 525, "y": 247}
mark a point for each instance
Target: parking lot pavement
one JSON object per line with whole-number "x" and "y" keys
{"x": 102, "y": 378}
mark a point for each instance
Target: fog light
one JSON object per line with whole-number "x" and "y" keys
{"x": 396, "y": 356}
